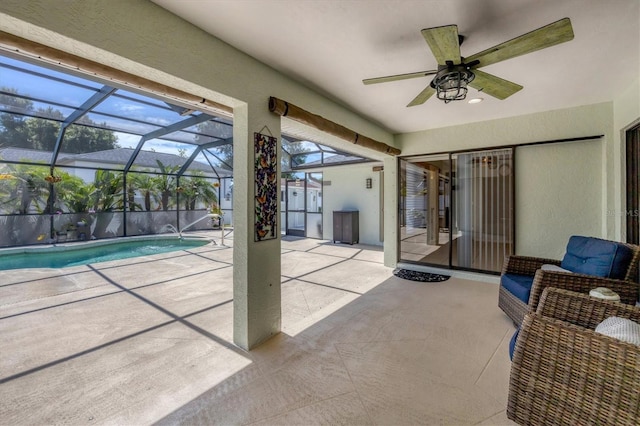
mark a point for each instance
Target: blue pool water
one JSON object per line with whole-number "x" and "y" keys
{"x": 92, "y": 252}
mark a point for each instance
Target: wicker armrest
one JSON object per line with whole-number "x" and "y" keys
{"x": 525, "y": 265}
{"x": 627, "y": 290}
{"x": 581, "y": 309}
{"x": 563, "y": 374}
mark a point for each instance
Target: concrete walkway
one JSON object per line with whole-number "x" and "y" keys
{"x": 149, "y": 340}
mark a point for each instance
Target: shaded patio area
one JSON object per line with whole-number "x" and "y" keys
{"x": 149, "y": 340}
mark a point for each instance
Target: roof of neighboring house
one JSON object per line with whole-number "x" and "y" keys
{"x": 23, "y": 154}
{"x": 118, "y": 156}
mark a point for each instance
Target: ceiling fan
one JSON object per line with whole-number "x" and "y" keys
{"x": 455, "y": 72}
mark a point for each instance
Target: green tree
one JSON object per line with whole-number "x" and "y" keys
{"x": 13, "y": 128}
{"x": 25, "y": 128}
{"x": 108, "y": 195}
{"x": 24, "y": 189}
{"x": 43, "y": 133}
{"x": 85, "y": 137}
{"x": 165, "y": 184}
{"x": 197, "y": 189}
{"x": 76, "y": 194}
{"x": 145, "y": 184}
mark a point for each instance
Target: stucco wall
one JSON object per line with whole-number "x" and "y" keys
{"x": 558, "y": 194}
{"x": 348, "y": 192}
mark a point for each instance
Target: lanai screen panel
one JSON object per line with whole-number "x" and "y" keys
{"x": 211, "y": 130}
{"x": 220, "y": 156}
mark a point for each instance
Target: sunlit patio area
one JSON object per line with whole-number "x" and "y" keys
{"x": 150, "y": 340}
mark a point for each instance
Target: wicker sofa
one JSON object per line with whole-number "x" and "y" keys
{"x": 523, "y": 280}
{"x": 564, "y": 373}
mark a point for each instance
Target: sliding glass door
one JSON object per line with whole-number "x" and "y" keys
{"x": 425, "y": 210}
{"x": 456, "y": 209}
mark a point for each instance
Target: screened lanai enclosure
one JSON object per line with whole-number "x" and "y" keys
{"x": 82, "y": 159}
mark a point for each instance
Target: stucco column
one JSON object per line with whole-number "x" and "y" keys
{"x": 256, "y": 265}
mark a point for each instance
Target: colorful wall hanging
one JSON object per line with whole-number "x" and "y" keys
{"x": 266, "y": 186}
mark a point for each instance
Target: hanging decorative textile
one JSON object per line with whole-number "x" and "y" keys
{"x": 266, "y": 186}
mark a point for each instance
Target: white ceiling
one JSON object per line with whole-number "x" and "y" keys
{"x": 331, "y": 45}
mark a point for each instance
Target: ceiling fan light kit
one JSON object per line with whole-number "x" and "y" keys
{"x": 454, "y": 75}
{"x": 451, "y": 83}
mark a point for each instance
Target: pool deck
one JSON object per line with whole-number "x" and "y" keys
{"x": 149, "y": 340}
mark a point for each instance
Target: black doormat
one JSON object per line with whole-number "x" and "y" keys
{"x": 419, "y": 276}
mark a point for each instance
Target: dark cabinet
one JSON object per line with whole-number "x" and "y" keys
{"x": 346, "y": 226}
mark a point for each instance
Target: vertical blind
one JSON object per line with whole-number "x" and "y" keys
{"x": 484, "y": 209}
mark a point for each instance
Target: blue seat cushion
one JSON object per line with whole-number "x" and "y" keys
{"x": 518, "y": 285}
{"x": 593, "y": 256}
{"x": 512, "y": 344}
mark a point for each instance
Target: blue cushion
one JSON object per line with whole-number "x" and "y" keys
{"x": 512, "y": 344}
{"x": 518, "y": 285}
{"x": 593, "y": 256}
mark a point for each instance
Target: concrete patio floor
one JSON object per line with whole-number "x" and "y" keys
{"x": 149, "y": 340}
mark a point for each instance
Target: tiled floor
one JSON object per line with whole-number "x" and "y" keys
{"x": 149, "y": 340}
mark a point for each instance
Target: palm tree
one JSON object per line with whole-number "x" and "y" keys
{"x": 75, "y": 193}
{"x": 108, "y": 195}
{"x": 146, "y": 184}
{"x": 27, "y": 189}
{"x": 197, "y": 189}
{"x": 188, "y": 193}
{"x": 165, "y": 183}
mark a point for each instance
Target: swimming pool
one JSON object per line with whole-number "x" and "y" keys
{"x": 60, "y": 256}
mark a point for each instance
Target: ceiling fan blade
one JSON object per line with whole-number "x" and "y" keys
{"x": 423, "y": 96}
{"x": 398, "y": 77}
{"x": 444, "y": 43}
{"x": 493, "y": 86}
{"x": 547, "y": 36}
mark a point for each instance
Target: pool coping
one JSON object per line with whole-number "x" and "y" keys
{"x": 78, "y": 245}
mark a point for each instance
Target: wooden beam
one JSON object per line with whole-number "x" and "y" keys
{"x": 298, "y": 114}
{"x": 26, "y": 47}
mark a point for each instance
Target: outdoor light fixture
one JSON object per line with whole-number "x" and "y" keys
{"x": 369, "y": 183}
{"x": 451, "y": 82}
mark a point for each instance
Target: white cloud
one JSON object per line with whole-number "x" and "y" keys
{"x": 127, "y": 140}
